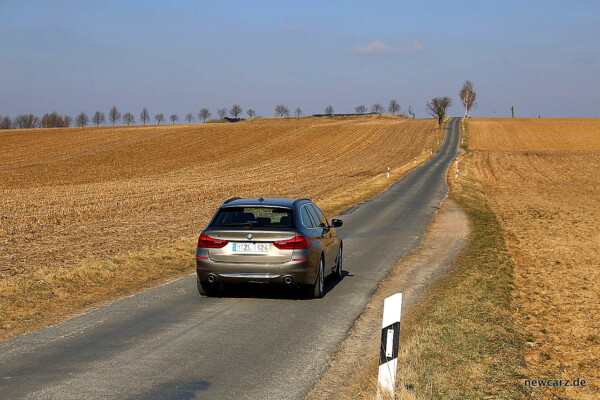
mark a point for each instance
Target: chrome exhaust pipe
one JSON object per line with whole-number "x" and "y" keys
{"x": 211, "y": 279}
{"x": 288, "y": 280}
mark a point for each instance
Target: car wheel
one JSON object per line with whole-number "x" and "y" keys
{"x": 339, "y": 270}
{"x": 207, "y": 289}
{"x": 316, "y": 290}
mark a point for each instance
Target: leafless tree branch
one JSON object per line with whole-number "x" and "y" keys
{"x": 360, "y": 109}
{"x": 437, "y": 108}
{"x": 203, "y": 114}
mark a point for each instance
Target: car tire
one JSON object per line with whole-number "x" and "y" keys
{"x": 339, "y": 271}
{"x": 207, "y": 289}
{"x": 316, "y": 290}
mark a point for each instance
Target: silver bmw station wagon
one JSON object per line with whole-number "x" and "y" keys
{"x": 284, "y": 241}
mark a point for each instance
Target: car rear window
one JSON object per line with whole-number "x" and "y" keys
{"x": 254, "y": 217}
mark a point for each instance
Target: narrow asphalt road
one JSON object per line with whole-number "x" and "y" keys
{"x": 169, "y": 343}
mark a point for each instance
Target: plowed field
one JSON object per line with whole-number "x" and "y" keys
{"x": 79, "y": 206}
{"x": 541, "y": 179}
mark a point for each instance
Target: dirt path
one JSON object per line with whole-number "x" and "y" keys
{"x": 445, "y": 237}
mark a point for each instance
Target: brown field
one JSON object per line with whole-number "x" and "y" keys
{"x": 541, "y": 178}
{"x": 87, "y": 214}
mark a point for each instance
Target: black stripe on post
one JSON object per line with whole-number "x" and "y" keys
{"x": 383, "y": 353}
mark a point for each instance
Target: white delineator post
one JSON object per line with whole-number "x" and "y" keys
{"x": 388, "y": 353}
{"x": 388, "y": 172}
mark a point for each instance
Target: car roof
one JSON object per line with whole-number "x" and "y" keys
{"x": 273, "y": 202}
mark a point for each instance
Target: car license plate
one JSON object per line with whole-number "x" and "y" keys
{"x": 250, "y": 247}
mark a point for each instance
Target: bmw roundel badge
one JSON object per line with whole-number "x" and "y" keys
{"x": 249, "y": 236}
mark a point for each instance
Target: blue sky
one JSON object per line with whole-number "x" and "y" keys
{"x": 175, "y": 57}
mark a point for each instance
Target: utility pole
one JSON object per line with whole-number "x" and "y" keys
{"x": 512, "y": 109}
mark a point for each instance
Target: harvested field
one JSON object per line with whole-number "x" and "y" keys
{"x": 90, "y": 213}
{"x": 541, "y": 179}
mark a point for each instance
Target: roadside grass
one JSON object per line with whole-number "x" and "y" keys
{"x": 460, "y": 341}
{"x": 49, "y": 295}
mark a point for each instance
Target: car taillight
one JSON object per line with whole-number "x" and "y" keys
{"x": 210, "y": 243}
{"x": 297, "y": 243}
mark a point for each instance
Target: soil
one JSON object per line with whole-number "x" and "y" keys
{"x": 541, "y": 179}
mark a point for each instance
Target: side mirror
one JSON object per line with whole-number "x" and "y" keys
{"x": 336, "y": 223}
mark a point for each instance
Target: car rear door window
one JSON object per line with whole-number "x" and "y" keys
{"x": 323, "y": 223}
{"x": 306, "y": 219}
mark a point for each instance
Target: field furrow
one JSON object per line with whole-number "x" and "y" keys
{"x": 541, "y": 179}
{"x": 70, "y": 197}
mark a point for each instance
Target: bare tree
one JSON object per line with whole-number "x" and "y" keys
{"x": 251, "y": 113}
{"x": 377, "y": 108}
{"x": 52, "y": 120}
{"x": 174, "y": 118}
{"x": 68, "y": 120}
{"x": 98, "y": 118}
{"x": 410, "y": 111}
{"x": 329, "y": 110}
{"x": 235, "y": 111}
{"x": 145, "y": 116}
{"x": 27, "y": 121}
{"x": 281, "y": 110}
{"x": 394, "y": 107}
{"x": 128, "y": 118}
{"x": 159, "y": 118}
{"x": 203, "y": 114}
{"x": 82, "y": 120}
{"x": 437, "y": 108}
{"x": 114, "y": 115}
{"x": 5, "y": 123}
{"x": 360, "y": 109}
{"x": 298, "y": 111}
{"x": 467, "y": 96}
{"x": 189, "y": 117}
{"x": 222, "y": 112}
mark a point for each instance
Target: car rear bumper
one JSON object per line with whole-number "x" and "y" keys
{"x": 300, "y": 272}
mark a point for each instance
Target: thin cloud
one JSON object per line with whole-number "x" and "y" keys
{"x": 378, "y": 47}
{"x": 290, "y": 28}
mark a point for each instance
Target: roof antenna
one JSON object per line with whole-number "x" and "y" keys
{"x": 261, "y": 199}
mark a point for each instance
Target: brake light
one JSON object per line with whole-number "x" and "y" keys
{"x": 297, "y": 243}
{"x": 206, "y": 242}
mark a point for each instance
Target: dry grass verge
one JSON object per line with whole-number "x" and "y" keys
{"x": 89, "y": 214}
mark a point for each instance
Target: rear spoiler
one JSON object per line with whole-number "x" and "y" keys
{"x": 301, "y": 199}
{"x": 231, "y": 199}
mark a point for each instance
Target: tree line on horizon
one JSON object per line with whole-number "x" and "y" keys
{"x": 55, "y": 120}
{"x": 437, "y": 108}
